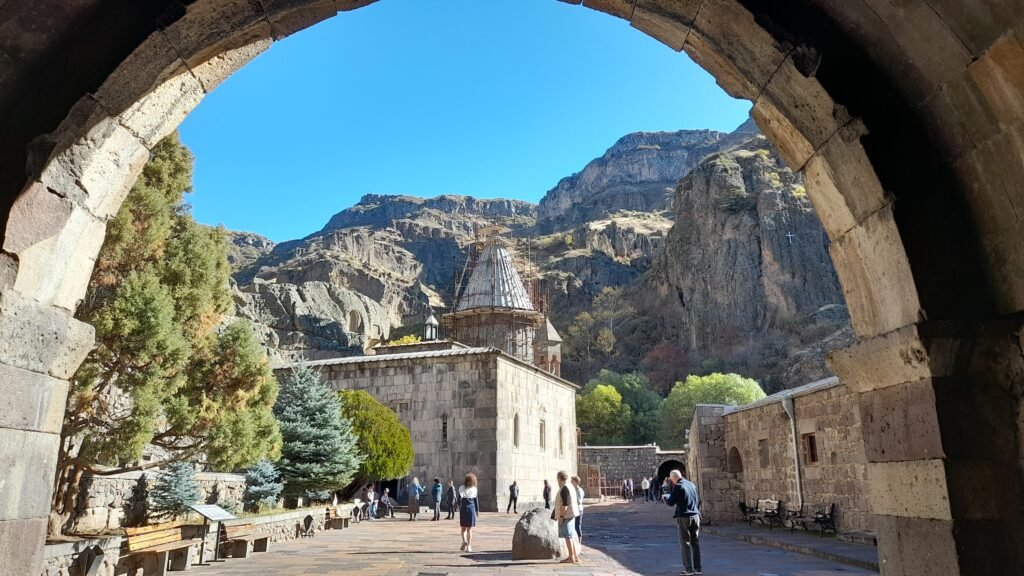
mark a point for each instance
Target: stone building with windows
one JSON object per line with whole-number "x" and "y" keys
{"x": 483, "y": 406}
{"x": 803, "y": 446}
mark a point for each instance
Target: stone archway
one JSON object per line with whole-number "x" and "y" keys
{"x": 907, "y": 120}
{"x": 666, "y": 467}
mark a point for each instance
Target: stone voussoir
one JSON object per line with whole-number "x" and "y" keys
{"x": 41, "y": 338}
{"x": 666, "y": 21}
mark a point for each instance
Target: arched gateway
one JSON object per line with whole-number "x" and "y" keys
{"x": 907, "y": 119}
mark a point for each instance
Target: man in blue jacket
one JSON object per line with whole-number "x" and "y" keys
{"x": 684, "y": 497}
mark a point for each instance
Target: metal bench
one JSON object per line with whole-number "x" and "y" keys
{"x": 771, "y": 513}
{"x": 164, "y": 546}
{"x": 820, "y": 516}
{"x": 238, "y": 537}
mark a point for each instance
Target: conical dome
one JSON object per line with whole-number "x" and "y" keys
{"x": 495, "y": 283}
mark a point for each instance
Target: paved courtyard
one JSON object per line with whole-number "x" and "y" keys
{"x": 619, "y": 539}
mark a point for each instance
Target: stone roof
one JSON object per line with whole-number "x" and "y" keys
{"x": 494, "y": 283}
{"x": 391, "y": 357}
{"x": 547, "y": 333}
{"x": 448, "y": 353}
{"x": 794, "y": 392}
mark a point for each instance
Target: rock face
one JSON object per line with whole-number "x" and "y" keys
{"x": 751, "y": 262}
{"x": 638, "y": 173}
{"x": 536, "y": 537}
{"x": 710, "y": 237}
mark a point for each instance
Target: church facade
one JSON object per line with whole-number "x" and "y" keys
{"x": 495, "y": 406}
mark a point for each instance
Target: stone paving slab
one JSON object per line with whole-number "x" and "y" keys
{"x": 827, "y": 547}
{"x": 619, "y": 539}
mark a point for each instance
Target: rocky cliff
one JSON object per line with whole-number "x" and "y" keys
{"x": 638, "y": 173}
{"x": 745, "y": 276}
{"x": 709, "y": 237}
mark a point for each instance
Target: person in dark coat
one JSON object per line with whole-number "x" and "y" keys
{"x": 468, "y": 509}
{"x": 435, "y": 493}
{"x": 450, "y": 498}
{"x": 513, "y": 497}
{"x": 547, "y": 495}
{"x": 687, "y": 515}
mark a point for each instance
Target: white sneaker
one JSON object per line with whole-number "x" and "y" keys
{"x": 469, "y": 548}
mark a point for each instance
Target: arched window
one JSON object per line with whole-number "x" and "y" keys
{"x": 543, "y": 431}
{"x": 515, "y": 431}
{"x": 444, "y": 431}
{"x": 734, "y": 464}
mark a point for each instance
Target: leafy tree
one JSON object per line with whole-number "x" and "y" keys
{"x": 383, "y": 439}
{"x": 159, "y": 373}
{"x": 601, "y": 415}
{"x": 676, "y": 412}
{"x": 407, "y": 339}
{"x": 643, "y": 403}
{"x": 175, "y": 490}
{"x": 262, "y": 486}
{"x": 320, "y": 449}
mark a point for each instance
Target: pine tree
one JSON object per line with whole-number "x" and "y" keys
{"x": 262, "y": 486}
{"x": 161, "y": 373}
{"x": 319, "y": 450}
{"x": 176, "y": 489}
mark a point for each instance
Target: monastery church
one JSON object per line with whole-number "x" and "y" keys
{"x": 489, "y": 400}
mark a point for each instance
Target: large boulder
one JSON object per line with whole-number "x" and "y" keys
{"x": 536, "y": 537}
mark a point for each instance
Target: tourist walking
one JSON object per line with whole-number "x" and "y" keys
{"x": 645, "y": 485}
{"x": 629, "y": 483}
{"x": 468, "y": 509}
{"x": 387, "y": 505}
{"x": 413, "y": 493}
{"x": 579, "y": 517}
{"x": 625, "y": 489}
{"x": 513, "y": 498}
{"x": 435, "y": 494}
{"x": 687, "y": 514}
{"x": 449, "y": 496}
{"x": 547, "y": 495}
{"x": 566, "y": 510}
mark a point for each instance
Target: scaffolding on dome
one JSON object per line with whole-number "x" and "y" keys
{"x": 492, "y": 305}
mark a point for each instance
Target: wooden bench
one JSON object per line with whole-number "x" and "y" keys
{"x": 335, "y": 520}
{"x": 162, "y": 545}
{"x": 238, "y": 537}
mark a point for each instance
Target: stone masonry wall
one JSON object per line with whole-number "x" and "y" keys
{"x": 830, "y": 412}
{"x": 534, "y": 396}
{"x": 103, "y": 508}
{"x": 621, "y": 462}
{"x": 706, "y": 463}
{"x": 425, "y": 391}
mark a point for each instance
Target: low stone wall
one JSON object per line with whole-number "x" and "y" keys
{"x": 60, "y": 558}
{"x": 107, "y": 498}
{"x": 617, "y": 463}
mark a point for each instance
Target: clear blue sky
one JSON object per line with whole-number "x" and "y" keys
{"x": 491, "y": 98}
